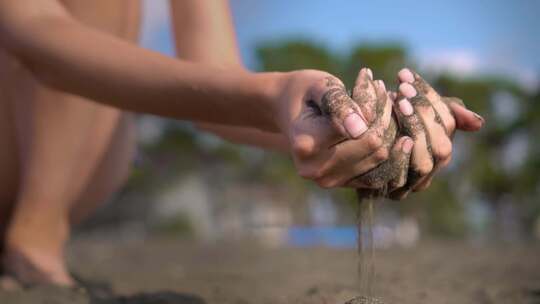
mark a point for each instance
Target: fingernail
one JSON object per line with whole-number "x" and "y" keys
{"x": 355, "y": 125}
{"x": 370, "y": 73}
{"x": 405, "y": 107}
{"x": 479, "y": 117}
{"x": 406, "y": 75}
{"x": 380, "y": 83}
{"x": 407, "y": 145}
{"x": 392, "y": 95}
{"x": 407, "y": 89}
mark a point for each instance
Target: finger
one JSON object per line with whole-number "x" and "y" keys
{"x": 365, "y": 95}
{"x": 405, "y": 75}
{"x": 391, "y": 173}
{"x": 423, "y": 185}
{"x": 424, "y": 90}
{"x": 412, "y": 126}
{"x": 426, "y": 100}
{"x": 313, "y": 138}
{"x": 382, "y": 108}
{"x": 377, "y": 176}
{"x": 437, "y": 135}
{"x": 349, "y": 159}
{"x": 385, "y": 131}
{"x": 368, "y": 151}
{"x": 345, "y": 114}
{"x": 466, "y": 120}
{"x": 393, "y": 95}
{"x": 400, "y": 156}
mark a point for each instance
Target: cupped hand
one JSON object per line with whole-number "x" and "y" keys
{"x": 335, "y": 138}
{"x": 431, "y": 120}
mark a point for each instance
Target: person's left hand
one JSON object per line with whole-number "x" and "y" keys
{"x": 431, "y": 121}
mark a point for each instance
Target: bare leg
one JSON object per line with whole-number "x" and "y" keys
{"x": 62, "y": 140}
{"x": 110, "y": 174}
{"x": 9, "y": 164}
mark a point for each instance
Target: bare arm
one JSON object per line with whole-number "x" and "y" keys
{"x": 65, "y": 54}
{"x": 204, "y": 32}
{"x": 248, "y": 136}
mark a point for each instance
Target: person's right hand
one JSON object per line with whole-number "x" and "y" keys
{"x": 333, "y": 138}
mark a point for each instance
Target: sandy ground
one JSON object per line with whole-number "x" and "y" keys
{"x": 165, "y": 271}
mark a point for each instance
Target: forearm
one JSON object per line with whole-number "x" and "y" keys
{"x": 204, "y": 33}
{"x": 71, "y": 57}
{"x": 248, "y": 136}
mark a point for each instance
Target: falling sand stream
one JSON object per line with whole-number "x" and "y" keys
{"x": 366, "y": 251}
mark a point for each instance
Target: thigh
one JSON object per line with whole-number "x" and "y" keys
{"x": 62, "y": 141}
{"x": 9, "y": 162}
{"x": 110, "y": 173}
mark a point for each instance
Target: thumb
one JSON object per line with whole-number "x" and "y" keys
{"x": 466, "y": 120}
{"x": 400, "y": 158}
{"x": 345, "y": 114}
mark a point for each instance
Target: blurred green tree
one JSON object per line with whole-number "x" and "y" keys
{"x": 383, "y": 59}
{"x": 296, "y": 55}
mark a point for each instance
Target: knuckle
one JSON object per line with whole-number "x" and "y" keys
{"x": 319, "y": 174}
{"x": 424, "y": 168}
{"x": 306, "y": 174}
{"x": 382, "y": 154}
{"x": 329, "y": 80}
{"x": 444, "y": 163}
{"x": 444, "y": 150}
{"x": 326, "y": 183}
{"x": 451, "y": 126}
{"x": 310, "y": 173}
{"x": 304, "y": 147}
{"x": 373, "y": 141}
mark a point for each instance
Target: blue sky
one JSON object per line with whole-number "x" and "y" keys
{"x": 465, "y": 37}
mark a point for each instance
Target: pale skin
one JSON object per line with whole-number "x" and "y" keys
{"x": 65, "y": 154}
{"x": 430, "y": 120}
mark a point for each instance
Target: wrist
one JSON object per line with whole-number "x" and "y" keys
{"x": 270, "y": 86}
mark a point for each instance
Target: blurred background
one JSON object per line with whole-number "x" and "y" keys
{"x": 189, "y": 184}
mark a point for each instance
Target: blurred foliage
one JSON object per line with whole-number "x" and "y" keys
{"x": 299, "y": 55}
{"x": 384, "y": 59}
{"x": 499, "y": 165}
{"x": 179, "y": 225}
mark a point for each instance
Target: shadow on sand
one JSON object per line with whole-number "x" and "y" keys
{"x": 164, "y": 297}
{"x": 58, "y": 295}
